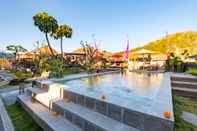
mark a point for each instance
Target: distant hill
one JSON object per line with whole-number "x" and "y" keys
{"x": 5, "y": 55}
{"x": 177, "y": 43}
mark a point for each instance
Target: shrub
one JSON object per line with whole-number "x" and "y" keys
{"x": 192, "y": 71}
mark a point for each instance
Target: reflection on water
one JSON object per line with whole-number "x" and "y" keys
{"x": 122, "y": 84}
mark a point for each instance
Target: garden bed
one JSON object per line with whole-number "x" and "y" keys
{"x": 183, "y": 104}
{"x": 21, "y": 119}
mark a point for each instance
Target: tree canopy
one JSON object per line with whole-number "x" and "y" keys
{"x": 46, "y": 24}
{"x": 16, "y": 48}
{"x": 63, "y": 31}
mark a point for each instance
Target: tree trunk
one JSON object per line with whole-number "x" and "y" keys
{"x": 61, "y": 44}
{"x": 46, "y": 35}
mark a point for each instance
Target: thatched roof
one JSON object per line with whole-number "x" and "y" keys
{"x": 44, "y": 50}
{"x": 144, "y": 51}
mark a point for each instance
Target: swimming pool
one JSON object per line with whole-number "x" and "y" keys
{"x": 135, "y": 99}
{"x": 126, "y": 85}
{"x": 144, "y": 92}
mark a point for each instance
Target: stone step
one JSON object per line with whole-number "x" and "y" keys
{"x": 36, "y": 90}
{"x": 187, "y": 92}
{"x": 184, "y": 78}
{"x": 89, "y": 120}
{"x": 44, "y": 117}
{"x": 184, "y": 84}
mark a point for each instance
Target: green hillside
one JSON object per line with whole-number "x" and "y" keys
{"x": 177, "y": 43}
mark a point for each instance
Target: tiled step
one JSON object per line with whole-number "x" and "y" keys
{"x": 187, "y": 92}
{"x": 44, "y": 118}
{"x": 184, "y": 78}
{"x": 36, "y": 90}
{"x": 89, "y": 120}
{"x": 191, "y": 85}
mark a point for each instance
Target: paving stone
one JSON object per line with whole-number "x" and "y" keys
{"x": 78, "y": 121}
{"x": 89, "y": 126}
{"x": 101, "y": 107}
{"x": 68, "y": 115}
{"x": 189, "y": 117}
{"x": 80, "y": 100}
{"x": 114, "y": 112}
{"x": 157, "y": 124}
{"x": 90, "y": 103}
{"x": 132, "y": 118}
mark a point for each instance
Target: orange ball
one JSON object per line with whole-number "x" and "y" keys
{"x": 103, "y": 97}
{"x": 167, "y": 114}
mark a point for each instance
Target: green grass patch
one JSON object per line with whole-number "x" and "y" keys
{"x": 21, "y": 74}
{"x": 21, "y": 119}
{"x": 7, "y": 86}
{"x": 192, "y": 71}
{"x": 183, "y": 104}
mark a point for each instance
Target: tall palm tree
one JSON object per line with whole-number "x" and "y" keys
{"x": 61, "y": 32}
{"x": 46, "y": 24}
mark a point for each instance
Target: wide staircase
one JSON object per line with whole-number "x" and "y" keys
{"x": 80, "y": 113}
{"x": 184, "y": 85}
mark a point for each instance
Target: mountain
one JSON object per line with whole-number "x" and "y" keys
{"x": 177, "y": 43}
{"x": 5, "y": 55}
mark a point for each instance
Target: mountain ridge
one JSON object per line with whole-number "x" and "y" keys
{"x": 177, "y": 43}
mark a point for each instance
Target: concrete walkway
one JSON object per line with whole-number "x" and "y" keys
{"x": 189, "y": 117}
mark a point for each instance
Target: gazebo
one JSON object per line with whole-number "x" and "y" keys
{"x": 144, "y": 57}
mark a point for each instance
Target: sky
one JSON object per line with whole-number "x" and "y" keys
{"x": 109, "y": 22}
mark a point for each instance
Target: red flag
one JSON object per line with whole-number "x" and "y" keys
{"x": 126, "y": 54}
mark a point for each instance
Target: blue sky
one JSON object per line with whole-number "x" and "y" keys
{"x": 111, "y": 21}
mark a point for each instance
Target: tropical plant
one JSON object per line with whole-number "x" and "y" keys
{"x": 46, "y": 24}
{"x": 41, "y": 62}
{"x": 57, "y": 66}
{"x": 175, "y": 63}
{"x": 61, "y": 32}
{"x": 90, "y": 53}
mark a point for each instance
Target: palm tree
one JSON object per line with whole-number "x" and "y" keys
{"x": 61, "y": 32}
{"x": 46, "y": 24}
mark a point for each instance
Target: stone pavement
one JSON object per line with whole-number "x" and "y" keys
{"x": 189, "y": 117}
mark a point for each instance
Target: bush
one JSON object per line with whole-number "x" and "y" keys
{"x": 192, "y": 71}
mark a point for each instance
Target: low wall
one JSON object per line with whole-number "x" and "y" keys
{"x": 6, "y": 123}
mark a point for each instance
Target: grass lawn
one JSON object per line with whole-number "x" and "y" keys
{"x": 8, "y": 86}
{"x": 21, "y": 120}
{"x": 183, "y": 104}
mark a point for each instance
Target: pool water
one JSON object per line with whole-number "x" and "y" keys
{"x": 125, "y": 85}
